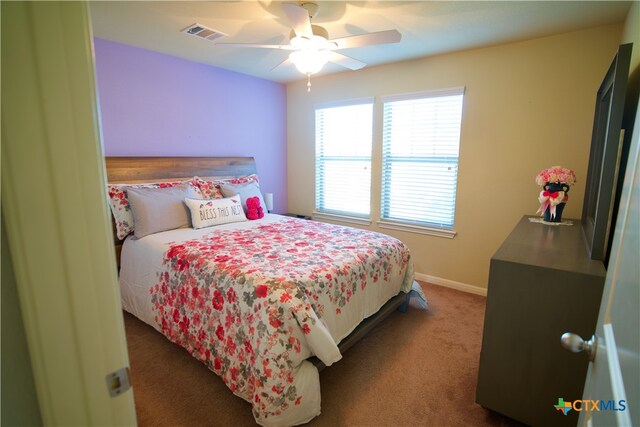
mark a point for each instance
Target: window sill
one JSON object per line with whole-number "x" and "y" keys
{"x": 420, "y": 229}
{"x": 299, "y": 216}
{"x": 341, "y": 218}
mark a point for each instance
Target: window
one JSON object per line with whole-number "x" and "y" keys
{"x": 420, "y": 141}
{"x": 343, "y": 158}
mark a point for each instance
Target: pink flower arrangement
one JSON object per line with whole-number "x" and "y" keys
{"x": 556, "y": 174}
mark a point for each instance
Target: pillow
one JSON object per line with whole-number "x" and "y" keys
{"x": 242, "y": 180}
{"x": 245, "y": 191}
{"x": 159, "y": 209}
{"x": 210, "y": 189}
{"x": 121, "y": 209}
{"x": 207, "y": 213}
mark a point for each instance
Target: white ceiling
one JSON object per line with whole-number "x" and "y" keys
{"x": 427, "y": 27}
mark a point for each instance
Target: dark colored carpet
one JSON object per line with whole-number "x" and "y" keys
{"x": 416, "y": 369}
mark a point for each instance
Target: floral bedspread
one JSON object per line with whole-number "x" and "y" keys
{"x": 253, "y": 304}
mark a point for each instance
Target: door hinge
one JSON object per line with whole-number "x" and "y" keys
{"x": 118, "y": 381}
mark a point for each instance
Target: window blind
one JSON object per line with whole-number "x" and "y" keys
{"x": 420, "y": 142}
{"x": 343, "y": 158}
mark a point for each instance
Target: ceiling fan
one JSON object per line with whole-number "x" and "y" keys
{"x": 310, "y": 44}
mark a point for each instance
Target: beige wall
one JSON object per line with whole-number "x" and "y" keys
{"x": 631, "y": 34}
{"x": 527, "y": 106}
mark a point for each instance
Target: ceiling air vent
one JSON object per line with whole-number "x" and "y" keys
{"x": 202, "y": 32}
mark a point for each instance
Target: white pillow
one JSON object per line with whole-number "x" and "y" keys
{"x": 210, "y": 212}
{"x": 121, "y": 208}
{"x": 159, "y": 209}
{"x": 246, "y": 190}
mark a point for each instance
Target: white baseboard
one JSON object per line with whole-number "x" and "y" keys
{"x": 464, "y": 287}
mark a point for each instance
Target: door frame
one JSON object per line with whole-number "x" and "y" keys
{"x": 618, "y": 280}
{"x": 54, "y": 207}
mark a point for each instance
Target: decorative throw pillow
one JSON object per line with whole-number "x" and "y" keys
{"x": 207, "y": 213}
{"x": 210, "y": 189}
{"x": 119, "y": 203}
{"x": 245, "y": 191}
{"x": 159, "y": 209}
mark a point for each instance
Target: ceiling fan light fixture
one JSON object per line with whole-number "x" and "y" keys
{"x": 313, "y": 42}
{"x": 309, "y": 61}
{"x": 310, "y": 45}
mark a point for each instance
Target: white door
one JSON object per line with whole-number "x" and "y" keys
{"x": 54, "y": 208}
{"x": 613, "y": 379}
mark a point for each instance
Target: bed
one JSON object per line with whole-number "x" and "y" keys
{"x": 266, "y": 303}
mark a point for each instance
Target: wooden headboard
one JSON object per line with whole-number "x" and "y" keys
{"x": 153, "y": 169}
{"x": 131, "y": 170}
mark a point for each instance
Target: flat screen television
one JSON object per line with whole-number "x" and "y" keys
{"x": 606, "y": 162}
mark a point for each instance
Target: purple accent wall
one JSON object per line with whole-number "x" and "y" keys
{"x": 154, "y": 104}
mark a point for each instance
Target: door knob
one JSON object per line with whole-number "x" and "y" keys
{"x": 575, "y": 343}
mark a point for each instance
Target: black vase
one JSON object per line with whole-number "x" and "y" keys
{"x": 553, "y": 187}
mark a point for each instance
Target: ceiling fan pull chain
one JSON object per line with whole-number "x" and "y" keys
{"x": 308, "y": 82}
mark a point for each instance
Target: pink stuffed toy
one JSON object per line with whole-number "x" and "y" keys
{"x": 254, "y": 210}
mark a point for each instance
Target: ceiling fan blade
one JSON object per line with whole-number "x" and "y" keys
{"x": 260, "y": 46}
{"x": 283, "y": 64}
{"x": 381, "y": 37}
{"x": 345, "y": 61}
{"x": 299, "y": 19}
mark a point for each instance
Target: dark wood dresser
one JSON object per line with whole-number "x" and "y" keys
{"x": 542, "y": 283}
